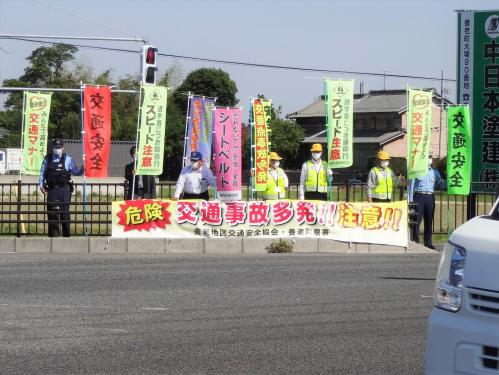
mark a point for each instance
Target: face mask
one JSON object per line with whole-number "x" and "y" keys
{"x": 316, "y": 155}
{"x": 276, "y": 164}
{"x": 384, "y": 163}
{"x": 57, "y": 151}
{"x": 430, "y": 162}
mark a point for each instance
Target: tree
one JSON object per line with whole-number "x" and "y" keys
{"x": 47, "y": 67}
{"x": 208, "y": 82}
{"x": 46, "y": 64}
{"x": 275, "y": 112}
{"x": 174, "y": 140}
{"x": 172, "y": 77}
{"x": 285, "y": 139}
{"x": 124, "y": 109}
{"x": 9, "y": 120}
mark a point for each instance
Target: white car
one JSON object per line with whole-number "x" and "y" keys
{"x": 463, "y": 330}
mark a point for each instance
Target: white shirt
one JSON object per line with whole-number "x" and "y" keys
{"x": 194, "y": 181}
{"x": 303, "y": 176}
{"x": 274, "y": 173}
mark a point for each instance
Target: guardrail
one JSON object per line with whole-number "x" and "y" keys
{"x": 23, "y": 208}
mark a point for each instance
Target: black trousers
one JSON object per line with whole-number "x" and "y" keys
{"x": 315, "y": 196}
{"x": 58, "y": 211}
{"x": 204, "y": 196}
{"x": 425, "y": 208}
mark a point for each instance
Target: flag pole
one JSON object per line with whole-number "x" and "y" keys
{"x": 448, "y": 217}
{"x": 82, "y": 106}
{"x": 187, "y": 118}
{"x": 212, "y": 136}
{"x": 19, "y": 190}
{"x": 137, "y": 141}
{"x": 22, "y": 135}
{"x": 252, "y": 161}
{"x": 329, "y": 178}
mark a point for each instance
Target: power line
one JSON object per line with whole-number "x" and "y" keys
{"x": 249, "y": 64}
{"x": 72, "y": 44}
{"x": 304, "y": 69}
{"x": 83, "y": 18}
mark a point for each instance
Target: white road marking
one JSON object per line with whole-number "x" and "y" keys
{"x": 54, "y": 306}
{"x": 145, "y": 308}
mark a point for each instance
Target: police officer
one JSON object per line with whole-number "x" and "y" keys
{"x": 194, "y": 179}
{"x": 381, "y": 180}
{"x": 145, "y": 186}
{"x": 421, "y": 192}
{"x": 55, "y": 183}
{"x": 277, "y": 181}
{"x": 314, "y": 175}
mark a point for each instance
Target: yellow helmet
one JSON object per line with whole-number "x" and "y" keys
{"x": 273, "y": 156}
{"x": 383, "y": 155}
{"x": 316, "y": 147}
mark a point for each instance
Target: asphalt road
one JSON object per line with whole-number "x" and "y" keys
{"x": 283, "y": 314}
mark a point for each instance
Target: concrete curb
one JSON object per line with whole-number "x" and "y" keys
{"x": 81, "y": 245}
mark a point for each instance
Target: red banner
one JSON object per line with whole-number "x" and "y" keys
{"x": 97, "y": 125}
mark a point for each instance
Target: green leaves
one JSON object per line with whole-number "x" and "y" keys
{"x": 285, "y": 139}
{"x": 208, "y": 82}
{"x": 46, "y": 64}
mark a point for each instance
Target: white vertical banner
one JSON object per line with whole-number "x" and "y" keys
{"x": 465, "y": 59}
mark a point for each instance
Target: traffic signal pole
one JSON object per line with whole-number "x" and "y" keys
{"x": 54, "y": 89}
{"x": 144, "y": 41}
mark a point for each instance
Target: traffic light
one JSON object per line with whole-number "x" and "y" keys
{"x": 148, "y": 64}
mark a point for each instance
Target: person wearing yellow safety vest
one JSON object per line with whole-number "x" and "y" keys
{"x": 381, "y": 180}
{"x": 314, "y": 176}
{"x": 277, "y": 181}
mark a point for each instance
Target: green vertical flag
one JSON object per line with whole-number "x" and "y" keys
{"x": 458, "y": 150}
{"x": 267, "y": 108}
{"x": 418, "y": 132}
{"x": 339, "y": 122}
{"x": 36, "y": 122}
{"x": 151, "y": 146}
{"x": 477, "y": 86}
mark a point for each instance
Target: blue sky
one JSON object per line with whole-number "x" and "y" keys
{"x": 399, "y": 37}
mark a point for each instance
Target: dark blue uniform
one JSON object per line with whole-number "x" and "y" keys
{"x": 55, "y": 175}
{"x": 421, "y": 191}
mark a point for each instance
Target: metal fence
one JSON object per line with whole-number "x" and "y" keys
{"x": 23, "y": 209}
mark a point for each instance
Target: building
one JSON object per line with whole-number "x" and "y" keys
{"x": 380, "y": 122}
